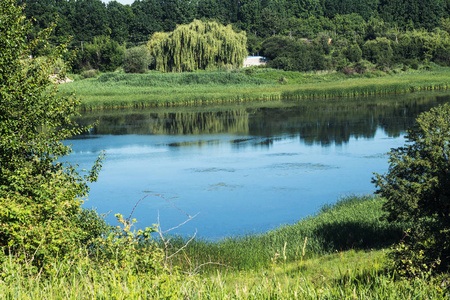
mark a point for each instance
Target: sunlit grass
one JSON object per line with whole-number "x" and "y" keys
{"x": 308, "y": 260}
{"x": 352, "y": 223}
{"x": 343, "y": 275}
{"x": 114, "y": 90}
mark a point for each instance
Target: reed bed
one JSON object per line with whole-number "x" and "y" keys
{"x": 117, "y": 90}
{"x": 391, "y": 84}
{"x": 352, "y": 223}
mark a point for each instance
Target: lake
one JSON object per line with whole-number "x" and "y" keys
{"x": 241, "y": 168}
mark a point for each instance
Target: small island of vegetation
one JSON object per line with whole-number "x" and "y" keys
{"x": 394, "y": 244}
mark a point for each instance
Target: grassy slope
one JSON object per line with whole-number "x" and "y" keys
{"x": 352, "y": 223}
{"x": 157, "y": 89}
{"x": 344, "y": 275}
{"x": 354, "y": 274}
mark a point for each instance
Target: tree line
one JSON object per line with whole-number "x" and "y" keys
{"x": 296, "y": 35}
{"x": 86, "y": 19}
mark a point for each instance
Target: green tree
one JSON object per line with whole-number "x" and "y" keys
{"x": 350, "y": 26}
{"x": 379, "y": 51}
{"x": 209, "y": 9}
{"x": 353, "y": 53}
{"x": 416, "y": 44}
{"x": 137, "y": 60}
{"x": 304, "y": 8}
{"x": 365, "y": 8}
{"x": 119, "y": 19}
{"x": 376, "y": 27}
{"x": 271, "y": 22}
{"x": 176, "y": 12}
{"x": 88, "y": 18}
{"x": 148, "y": 16}
{"x": 102, "y": 54}
{"x": 413, "y": 14}
{"x": 292, "y": 54}
{"x": 198, "y": 46}
{"x": 43, "y": 14}
{"x": 249, "y": 15}
{"x": 417, "y": 190}
{"x": 40, "y": 197}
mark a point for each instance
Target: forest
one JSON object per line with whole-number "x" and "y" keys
{"x": 301, "y": 35}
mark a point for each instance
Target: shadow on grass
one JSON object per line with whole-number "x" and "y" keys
{"x": 354, "y": 235}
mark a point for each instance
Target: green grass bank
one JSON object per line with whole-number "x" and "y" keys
{"x": 354, "y": 222}
{"x": 118, "y": 90}
{"x": 340, "y": 253}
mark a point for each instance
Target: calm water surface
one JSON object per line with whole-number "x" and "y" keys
{"x": 242, "y": 168}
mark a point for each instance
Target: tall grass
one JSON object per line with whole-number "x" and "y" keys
{"x": 352, "y": 223}
{"x": 343, "y": 275}
{"x": 290, "y": 270}
{"x": 114, "y": 90}
{"x": 390, "y": 84}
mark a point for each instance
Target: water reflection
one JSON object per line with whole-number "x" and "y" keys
{"x": 322, "y": 122}
{"x": 244, "y": 168}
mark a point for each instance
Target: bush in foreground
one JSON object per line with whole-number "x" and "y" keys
{"x": 417, "y": 189}
{"x": 41, "y": 219}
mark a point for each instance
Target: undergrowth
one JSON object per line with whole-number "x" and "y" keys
{"x": 339, "y": 253}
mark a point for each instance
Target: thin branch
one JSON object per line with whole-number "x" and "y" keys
{"x": 132, "y": 211}
{"x": 184, "y": 246}
{"x": 173, "y": 204}
{"x": 181, "y": 224}
{"x": 161, "y": 196}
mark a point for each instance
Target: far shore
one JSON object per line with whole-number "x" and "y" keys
{"x": 121, "y": 90}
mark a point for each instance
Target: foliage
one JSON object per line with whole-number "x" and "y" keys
{"x": 417, "y": 28}
{"x": 40, "y": 196}
{"x": 293, "y": 54}
{"x": 126, "y": 247}
{"x": 41, "y": 219}
{"x": 353, "y": 53}
{"x": 379, "y": 51}
{"x": 120, "y": 18}
{"x": 198, "y": 46}
{"x": 103, "y": 266}
{"x": 91, "y": 73}
{"x": 417, "y": 188}
{"x": 103, "y": 54}
{"x": 137, "y": 60}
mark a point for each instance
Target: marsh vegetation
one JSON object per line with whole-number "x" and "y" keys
{"x": 119, "y": 90}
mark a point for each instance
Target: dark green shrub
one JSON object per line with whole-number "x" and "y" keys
{"x": 91, "y": 73}
{"x": 103, "y": 54}
{"x": 413, "y": 63}
{"x": 137, "y": 60}
{"x": 291, "y": 54}
{"x": 417, "y": 189}
{"x": 363, "y": 66}
{"x": 353, "y": 53}
{"x": 379, "y": 51}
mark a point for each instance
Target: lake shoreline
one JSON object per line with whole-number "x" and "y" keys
{"x": 154, "y": 89}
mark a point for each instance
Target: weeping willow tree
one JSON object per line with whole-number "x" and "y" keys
{"x": 198, "y": 46}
